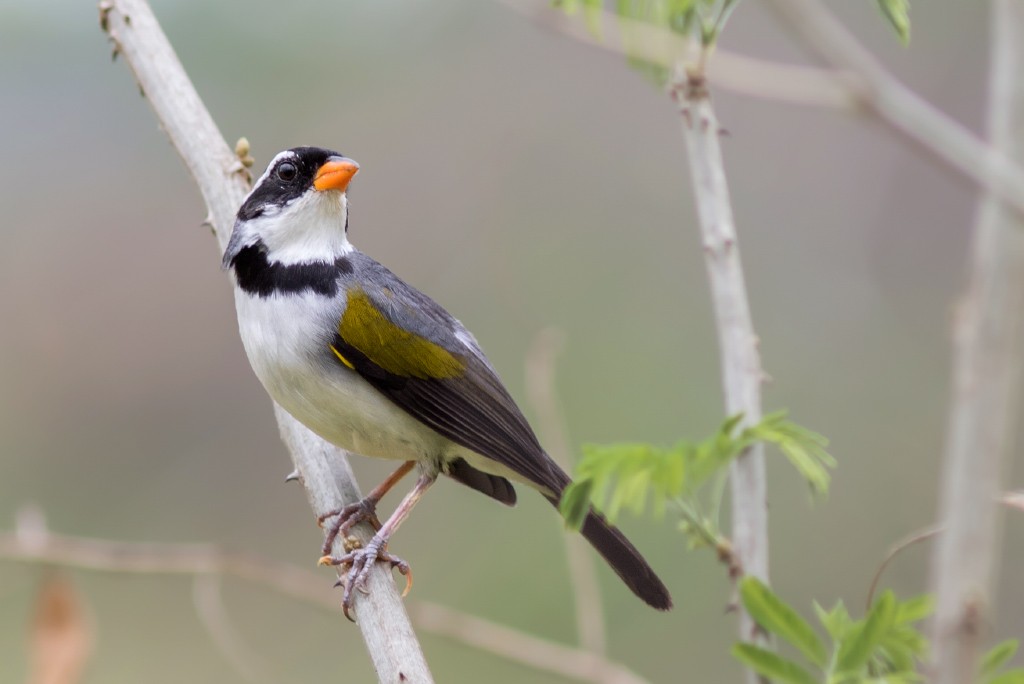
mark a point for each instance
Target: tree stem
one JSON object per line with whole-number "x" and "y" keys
{"x": 740, "y": 358}
{"x": 988, "y": 335}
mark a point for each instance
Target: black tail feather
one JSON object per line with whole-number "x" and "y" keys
{"x": 624, "y": 559}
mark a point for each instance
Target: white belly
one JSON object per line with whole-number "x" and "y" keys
{"x": 287, "y": 340}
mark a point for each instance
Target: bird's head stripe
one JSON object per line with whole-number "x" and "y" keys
{"x": 395, "y": 350}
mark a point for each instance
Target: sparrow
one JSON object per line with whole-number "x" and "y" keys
{"x": 376, "y": 367}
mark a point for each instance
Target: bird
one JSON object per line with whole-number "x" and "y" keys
{"x": 371, "y": 364}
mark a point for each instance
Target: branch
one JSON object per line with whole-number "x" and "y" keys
{"x": 899, "y": 107}
{"x": 740, "y": 358}
{"x": 33, "y": 543}
{"x": 540, "y": 388}
{"x": 857, "y": 82}
{"x": 224, "y": 182}
{"x": 728, "y": 70}
{"x": 988, "y": 335}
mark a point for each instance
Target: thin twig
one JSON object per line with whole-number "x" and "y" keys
{"x": 899, "y": 107}
{"x": 1014, "y": 499}
{"x": 740, "y": 358}
{"x": 728, "y": 70}
{"x": 209, "y": 603}
{"x": 988, "y": 344}
{"x": 540, "y": 388}
{"x": 35, "y": 544}
{"x": 224, "y": 181}
{"x": 895, "y": 550}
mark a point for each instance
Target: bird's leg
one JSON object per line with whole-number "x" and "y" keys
{"x": 361, "y": 560}
{"x": 362, "y": 510}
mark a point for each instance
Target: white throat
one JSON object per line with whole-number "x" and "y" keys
{"x": 310, "y": 228}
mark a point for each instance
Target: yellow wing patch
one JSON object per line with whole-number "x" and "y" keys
{"x": 397, "y": 351}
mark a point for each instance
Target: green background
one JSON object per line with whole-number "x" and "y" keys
{"x": 523, "y": 181}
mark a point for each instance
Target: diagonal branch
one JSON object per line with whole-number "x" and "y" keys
{"x": 899, "y": 107}
{"x": 224, "y": 182}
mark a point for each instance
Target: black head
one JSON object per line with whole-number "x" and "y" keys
{"x": 290, "y": 175}
{"x": 298, "y": 209}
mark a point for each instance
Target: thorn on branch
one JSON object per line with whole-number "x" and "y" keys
{"x": 973, "y": 616}
{"x": 695, "y": 86}
{"x": 105, "y": 7}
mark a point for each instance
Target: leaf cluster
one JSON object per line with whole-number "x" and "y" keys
{"x": 884, "y": 647}
{"x": 638, "y": 476}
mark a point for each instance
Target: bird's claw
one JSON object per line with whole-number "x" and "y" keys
{"x": 359, "y": 562}
{"x": 364, "y": 510}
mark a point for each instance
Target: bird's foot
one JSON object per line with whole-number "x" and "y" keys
{"x": 364, "y": 510}
{"x": 359, "y": 561}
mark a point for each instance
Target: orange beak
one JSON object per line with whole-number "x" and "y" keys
{"x": 335, "y": 174}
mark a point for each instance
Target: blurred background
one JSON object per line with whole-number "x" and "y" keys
{"x": 524, "y": 181}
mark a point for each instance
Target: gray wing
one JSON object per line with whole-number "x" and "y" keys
{"x": 420, "y": 357}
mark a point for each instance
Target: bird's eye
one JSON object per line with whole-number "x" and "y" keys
{"x": 286, "y": 171}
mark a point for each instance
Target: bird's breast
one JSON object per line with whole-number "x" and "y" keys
{"x": 287, "y": 339}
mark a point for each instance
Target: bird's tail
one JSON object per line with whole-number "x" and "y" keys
{"x": 625, "y": 560}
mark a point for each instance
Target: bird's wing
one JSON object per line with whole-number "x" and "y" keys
{"x": 421, "y": 358}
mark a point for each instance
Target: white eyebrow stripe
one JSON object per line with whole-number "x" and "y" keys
{"x": 271, "y": 165}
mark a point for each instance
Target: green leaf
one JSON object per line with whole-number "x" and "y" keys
{"x": 901, "y": 648}
{"x": 771, "y": 665}
{"x": 860, "y": 643}
{"x": 729, "y": 426}
{"x": 1011, "y": 677}
{"x": 915, "y": 609}
{"x": 998, "y": 656}
{"x": 575, "y": 503}
{"x": 836, "y": 621}
{"x": 592, "y": 16}
{"x": 808, "y": 467}
{"x": 804, "y": 449}
{"x": 898, "y": 14}
{"x": 775, "y": 616}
